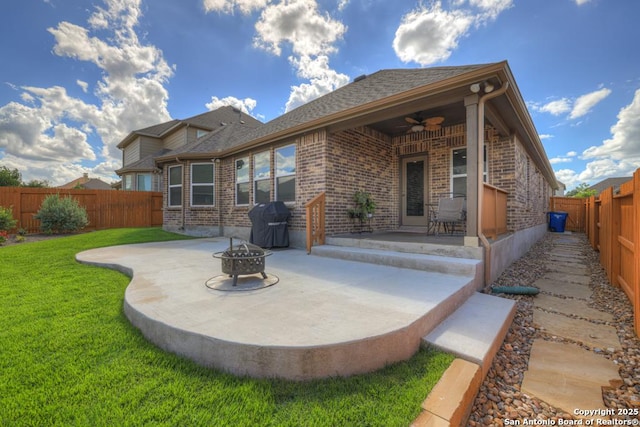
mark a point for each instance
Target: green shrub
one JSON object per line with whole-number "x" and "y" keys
{"x": 61, "y": 215}
{"x": 6, "y": 219}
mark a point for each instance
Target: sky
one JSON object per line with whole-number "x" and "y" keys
{"x": 77, "y": 76}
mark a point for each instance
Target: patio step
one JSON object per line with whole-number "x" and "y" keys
{"x": 438, "y": 247}
{"x": 415, "y": 261}
{"x": 476, "y": 330}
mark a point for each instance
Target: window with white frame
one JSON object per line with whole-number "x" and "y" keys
{"x": 202, "y": 184}
{"x": 143, "y": 182}
{"x": 262, "y": 177}
{"x": 242, "y": 181}
{"x": 285, "y": 173}
{"x": 175, "y": 186}
{"x": 459, "y": 170}
{"x": 201, "y": 133}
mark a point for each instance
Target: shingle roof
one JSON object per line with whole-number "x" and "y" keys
{"x": 218, "y": 140}
{"x": 377, "y": 86}
{"x": 361, "y": 91}
{"x": 208, "y": 121}
{"x": 145, "y": 164}
{"x": 609, "y": 182}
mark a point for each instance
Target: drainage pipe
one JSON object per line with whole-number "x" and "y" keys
{"x": 480, "y": 178}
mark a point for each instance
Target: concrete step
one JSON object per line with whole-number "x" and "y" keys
{"x": 439, "y": 264}
{"x": 442, "y": 247}
{"x": 476, "y": 330}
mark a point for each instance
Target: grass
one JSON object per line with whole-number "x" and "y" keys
{"x": 69, "y": 357}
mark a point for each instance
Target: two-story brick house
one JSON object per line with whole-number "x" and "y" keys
{"x": 142, "y": 146}
{"x": 405, "y": 135}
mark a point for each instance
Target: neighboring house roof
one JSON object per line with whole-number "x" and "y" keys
{"x": 145, "y": 164}
{"x": 609, "y": 182}
{"x": 208, "y": 121}
{"x": 87, "y": 183}
{"x": 215, "y": 141}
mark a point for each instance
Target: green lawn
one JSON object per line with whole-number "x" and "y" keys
{"x": 69, "y": 357}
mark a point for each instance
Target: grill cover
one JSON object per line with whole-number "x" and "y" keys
{"x": 269, "y": 227}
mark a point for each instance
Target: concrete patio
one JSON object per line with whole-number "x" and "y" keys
{"x": 327, "y": 315}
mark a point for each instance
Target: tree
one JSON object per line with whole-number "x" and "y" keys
{"x": 10, "y": 178}
{"x": 37, "y": 183}
{"x": 582, "y": 191}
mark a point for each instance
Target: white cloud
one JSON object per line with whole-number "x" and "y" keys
{"x": 83, "y": 85}
{"x": 430, "y": 34}
{"x": 301, "y": 27}
{"x": 228, "y": 6}
{"x": 576, "y": 109}
{"x": 581, "y": 2}
{"x": 624, "y": 144}
{"x": 616, "y": 156}
{"x": 322, "y": 80}
{"x": 564, "y": 159}
{"x": 557, "y": 107}
{"x": 585, "y": 103}
{"x": 300, "y": 24}
{"x": 545, "y": 136}
{"x": 57, "y": 128}
{"x": 245, "y": 105}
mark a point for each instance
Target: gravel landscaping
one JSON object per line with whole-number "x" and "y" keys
{"x": 500, "y": 395}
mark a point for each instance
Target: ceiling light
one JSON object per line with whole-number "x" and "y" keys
{"x": 488, "y": 87}
{"x": 475, "y": 88}
{"x": 417, "y": 128}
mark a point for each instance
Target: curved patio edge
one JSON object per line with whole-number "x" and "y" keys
{"x": 356, "y": 319}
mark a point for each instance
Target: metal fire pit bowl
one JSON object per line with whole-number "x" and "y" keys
{"x": 241, "y": 260}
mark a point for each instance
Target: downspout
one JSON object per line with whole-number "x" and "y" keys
{"x": 480, "y": 189}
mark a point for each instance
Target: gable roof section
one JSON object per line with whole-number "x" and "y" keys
{"x": 207, "y": 121}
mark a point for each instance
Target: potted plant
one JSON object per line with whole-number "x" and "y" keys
{"x": 364, "y": 203}
{"x": 363, "y": 208}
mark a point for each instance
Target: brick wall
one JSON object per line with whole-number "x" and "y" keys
{"x": 360, "y": 159}
{"x": 364, "y": 159}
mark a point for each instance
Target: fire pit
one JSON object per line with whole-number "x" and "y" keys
{"x": 244, "y": 259}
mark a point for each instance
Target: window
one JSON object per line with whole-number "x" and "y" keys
{"x": 202, "y": 184}
{"x": 286, "y": 173}
{"x": 143, "y": 182}
{"x": 242, "y": 181}
{"x": 459, "y": 170}
{"x": 200, "y": 133}
{"x": 128, "y": 182}
{"x": 175, "y": 186}
{"x": 262, "y": 177}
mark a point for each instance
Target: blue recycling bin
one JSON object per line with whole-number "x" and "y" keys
{"x": 557, "y": 221}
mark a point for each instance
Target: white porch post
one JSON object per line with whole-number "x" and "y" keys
{"x": 473, "y": 156}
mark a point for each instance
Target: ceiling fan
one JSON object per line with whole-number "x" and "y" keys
{"x": 419, "y": 124}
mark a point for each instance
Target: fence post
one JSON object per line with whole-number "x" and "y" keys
{"x": 636, "y": 252}
{"x": 606, "y": 239}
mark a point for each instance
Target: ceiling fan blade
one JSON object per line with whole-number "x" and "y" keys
{"x": 412, "y": 120}
{"x": 434, "y": 120}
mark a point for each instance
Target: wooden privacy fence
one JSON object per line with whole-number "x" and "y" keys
{"x": 105, "y": 208}
{"x": 613, "y": 228}
{"x": 494, "y": 211}
{"x": 575, "y": 207}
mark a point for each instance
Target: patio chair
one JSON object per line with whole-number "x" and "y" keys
{"x": 451, "y": 212}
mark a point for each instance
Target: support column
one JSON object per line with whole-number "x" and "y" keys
{"x": 473, "y": 150}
